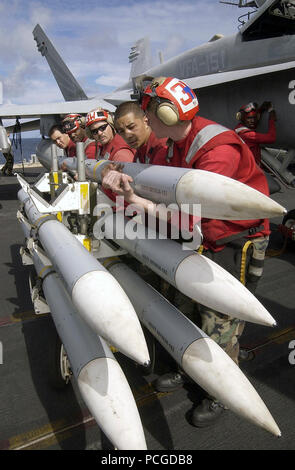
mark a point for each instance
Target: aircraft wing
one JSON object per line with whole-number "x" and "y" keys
{"x": 11, "y": 111}
{"x": 225, "y": 77}
{"x": 118, "y": 96}
{"x": 26, "y": 126}
{"x": 203, "y": 81}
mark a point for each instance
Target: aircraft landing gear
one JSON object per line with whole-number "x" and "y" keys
{"x": 60, "y": 372}
{"x": 287, "y": 228}
{"x": 277, "y": 162}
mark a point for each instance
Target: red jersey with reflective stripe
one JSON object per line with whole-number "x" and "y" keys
{"x": 153, "y": 152}
{"x": 220, "y": 150}
{"x": 89, "y": 148}
{"x": 253, "y": 139}
{"x": 111, "y": 149}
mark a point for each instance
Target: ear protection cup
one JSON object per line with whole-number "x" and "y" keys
{"x": 171, "y": 100}
{"x": 168, "y": 113}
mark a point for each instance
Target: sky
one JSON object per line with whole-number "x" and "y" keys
{"x": 94, "y": 39}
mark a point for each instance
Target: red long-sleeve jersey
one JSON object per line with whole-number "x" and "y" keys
{"x": 253, "y": 139}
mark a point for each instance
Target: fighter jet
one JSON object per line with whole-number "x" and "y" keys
{"x": 255, "y": 64}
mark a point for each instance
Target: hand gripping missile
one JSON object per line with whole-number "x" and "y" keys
{"x": 198, "y": 355}
{"x": 191, "y": 273}
{"x": 98, "y": 297}
{"x": 220, "y": 197}
{"x": 100, "y": 379}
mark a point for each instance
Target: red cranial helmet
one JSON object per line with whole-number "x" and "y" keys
{"x": 248, "y": 110}
{"x": 176, "y": 100}
{"x": 72, "y": 122}
{"x": 96, "y": 115}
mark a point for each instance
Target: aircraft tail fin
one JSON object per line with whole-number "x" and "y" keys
{"x": 140, "y": 57}
{"x": 68, "y": 85}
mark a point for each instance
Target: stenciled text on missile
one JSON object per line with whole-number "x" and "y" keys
{"x": 160, "y": 221}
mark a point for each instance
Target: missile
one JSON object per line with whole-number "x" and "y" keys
{"x": 44, "y": 153}
{"x": 100, "y": 379}
{"x": 220, "y": 197}
{"x": 198, "y": 355}
{"x": 98, "y": 297}
{"x": 196, "y": 276}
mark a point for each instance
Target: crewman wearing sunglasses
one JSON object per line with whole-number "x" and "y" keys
{"x": 109, "y": 144}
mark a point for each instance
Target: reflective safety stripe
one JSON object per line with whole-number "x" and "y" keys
{"x": 87, "y": 142}
{"x": 239, "y": 129}
{"x": 206, "y": 134}
{"x": 106, "y": 156}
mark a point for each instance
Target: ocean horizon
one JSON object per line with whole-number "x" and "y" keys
{"x": 23, "y": 152}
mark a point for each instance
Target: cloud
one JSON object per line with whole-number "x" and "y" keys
{"x": 95, "y": 40}
{"x": 114, "y": 75}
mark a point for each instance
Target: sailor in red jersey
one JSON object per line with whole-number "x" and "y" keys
{"x": 212, "y": 147}
{"x": 74, "y": 126}
{"x": 62, "y": 140}
{"x": 131, "y": 124}
{"x": 171, "y": 108}
{"x": 205, "y": 145}
{"x": 249, "y": 116}
{"x": 109, "y": 145}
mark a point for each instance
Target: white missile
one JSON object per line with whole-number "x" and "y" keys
{"x": 198, "y": 355}
{"x": 220, "y": 197}
{"x": 98, "y": 297}
{"x": 100, "y": 379}
{"x": 191, "y": 273}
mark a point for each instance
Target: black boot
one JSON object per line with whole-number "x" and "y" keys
{"x": 207, "y": 413}
{"x": 169, "y": 382}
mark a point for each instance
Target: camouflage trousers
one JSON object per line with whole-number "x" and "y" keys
{"x": 246, "y": 266}
{"x": 8, "y": 167}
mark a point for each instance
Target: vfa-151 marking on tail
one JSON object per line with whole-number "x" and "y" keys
{"x": 255, "y": 64}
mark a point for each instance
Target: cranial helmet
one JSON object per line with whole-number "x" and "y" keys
{"x": 176, "y": 101}
{"x": 98, "y": 115}
{"x": 72, "y": 122}
{"x": 250, "y": 109}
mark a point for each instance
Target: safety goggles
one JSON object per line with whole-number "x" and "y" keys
{"x": 99, "y": 129}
